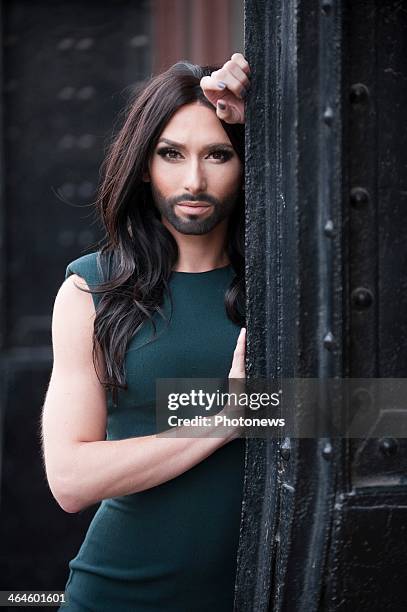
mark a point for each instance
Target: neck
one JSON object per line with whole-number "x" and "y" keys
{"x": 199, "y": 253}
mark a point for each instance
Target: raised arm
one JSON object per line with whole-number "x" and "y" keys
{"x": 227, "y": 88}
{"x": 81, "y": 466}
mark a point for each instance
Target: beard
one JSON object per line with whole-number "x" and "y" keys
{"x": 194, "y": 224}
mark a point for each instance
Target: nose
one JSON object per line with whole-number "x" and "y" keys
{"x": 195, "y": 179}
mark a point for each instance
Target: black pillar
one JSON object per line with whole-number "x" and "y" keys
{"x": 326, "y": 223}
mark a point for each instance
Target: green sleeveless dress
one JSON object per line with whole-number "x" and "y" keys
{"x": 171, "y": 548}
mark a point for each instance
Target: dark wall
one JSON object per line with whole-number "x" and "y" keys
{"x": 67, "y": 70}
{"x": 324, "y": 519}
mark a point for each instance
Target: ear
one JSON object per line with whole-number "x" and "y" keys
{"x": 146, "y": 176}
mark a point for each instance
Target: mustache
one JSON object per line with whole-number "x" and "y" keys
{"x": 208, "y": 199}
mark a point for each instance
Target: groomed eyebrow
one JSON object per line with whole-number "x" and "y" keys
{"x": 212, "y": 145}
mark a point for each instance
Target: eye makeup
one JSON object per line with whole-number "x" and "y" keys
{"x": 225, "y": 154}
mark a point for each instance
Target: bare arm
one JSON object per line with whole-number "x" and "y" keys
{"x": 82, "y": 467}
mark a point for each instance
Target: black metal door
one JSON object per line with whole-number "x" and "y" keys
{"x": 324, "y": 520}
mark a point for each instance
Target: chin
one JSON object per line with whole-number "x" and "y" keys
{"x": 193, "y": 228}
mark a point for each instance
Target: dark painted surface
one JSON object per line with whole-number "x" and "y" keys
{"x": 68, "y": 69}
{"x": 324, "y": 520}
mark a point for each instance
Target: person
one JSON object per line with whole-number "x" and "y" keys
{"x": 163, "y": 297}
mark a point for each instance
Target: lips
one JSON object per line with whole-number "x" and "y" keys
{"x": 194, "y": 209}
{"x": 191, "y": 205}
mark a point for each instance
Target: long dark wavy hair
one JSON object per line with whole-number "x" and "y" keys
{"x": 138, "y": 252}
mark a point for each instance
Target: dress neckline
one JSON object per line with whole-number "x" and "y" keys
{"x": 202, "y": 273}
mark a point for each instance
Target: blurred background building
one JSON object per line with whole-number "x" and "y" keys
{"x": 67, "y": 71}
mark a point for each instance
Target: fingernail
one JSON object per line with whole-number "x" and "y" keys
{"x": 221, "y": 84}
{"x": 221, "y": 105}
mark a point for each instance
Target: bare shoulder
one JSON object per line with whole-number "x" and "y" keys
{"x": 74, "y": 301}
{"x": 73, "y": 324}
{"x": 72, "y": 288}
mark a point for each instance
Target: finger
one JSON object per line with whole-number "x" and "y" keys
{"x": 237, "y": 71}
{"x": 242, "y": 337}
{"x": 241, "y": 61}
{"x": 210, "y": 83}
{"x": 238, "y": 367}
{"x": 239, "y": 351}
{"x": 233, "y": 77}
{"x": 238, "y": 362}
{"x": 225, "y": 112}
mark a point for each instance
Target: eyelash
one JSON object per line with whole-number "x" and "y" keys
{"x": 225, "y": 152}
